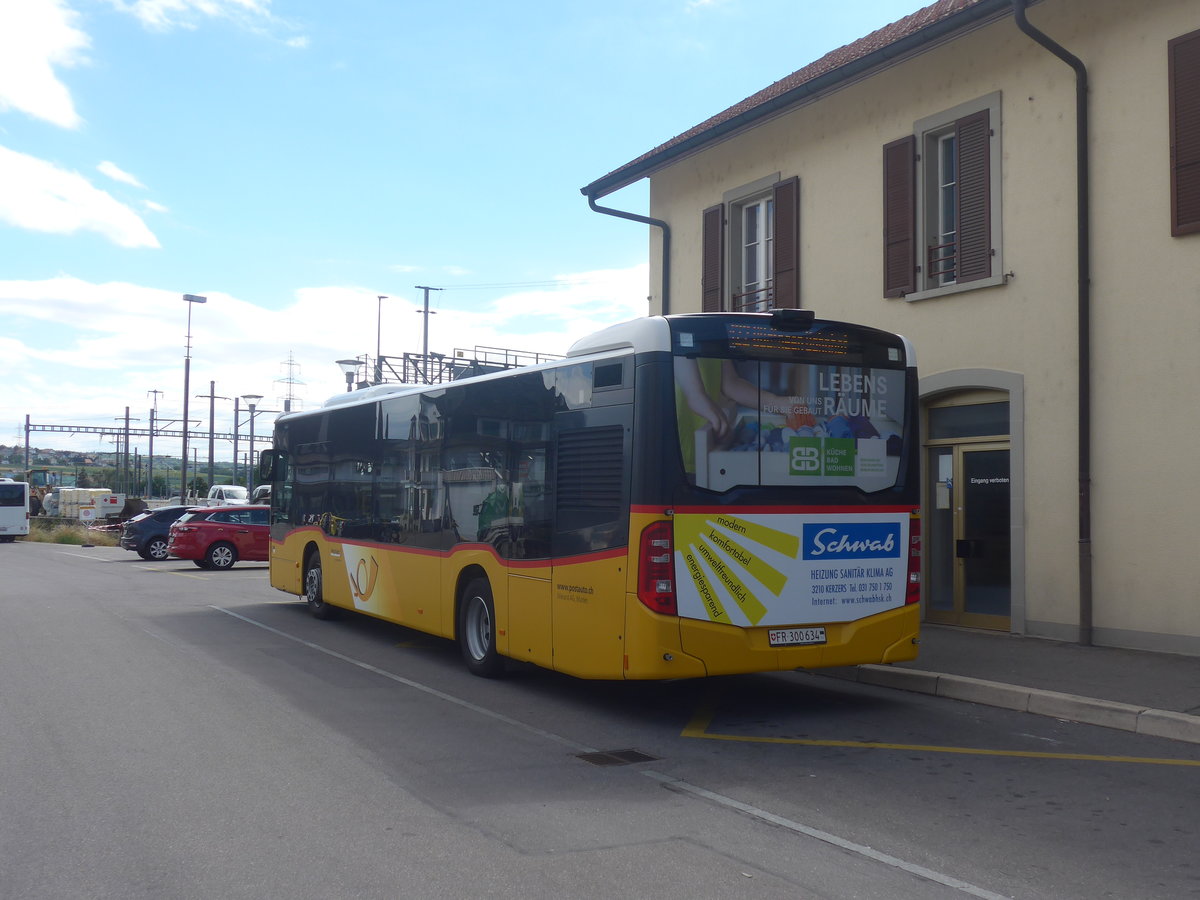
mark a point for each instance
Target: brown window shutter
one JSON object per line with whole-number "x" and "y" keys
{"x": 899, "y": 217}
{"x": 1183, "y": 76}
{"x": 787, "y": 245}
{"x": 712, "y": 269}
{"x": 973, "y": 136}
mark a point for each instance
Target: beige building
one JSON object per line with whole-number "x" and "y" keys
{"x": 929, "y": 179}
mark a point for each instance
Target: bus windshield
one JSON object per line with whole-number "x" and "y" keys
{"x": 781, "y": 410}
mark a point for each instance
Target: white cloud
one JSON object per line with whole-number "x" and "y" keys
{"x": 36, "y": 36}
{"x": 163, "y": 15}
{"x": 116, "y": 174}
{"x": 39, "y": 196}
{"x": 540, "y": 320}
{"x": 111, "y": 343}
{"x": 254, "y": 16}
{"x": 154, "y": 207}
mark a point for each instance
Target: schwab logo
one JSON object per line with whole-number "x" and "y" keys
{"x": 858, "y": 540}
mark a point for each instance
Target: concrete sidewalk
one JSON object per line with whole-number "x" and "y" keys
{"x": 1144, "y": 692}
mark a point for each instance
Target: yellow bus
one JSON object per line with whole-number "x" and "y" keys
{"x": 678, "y": 497}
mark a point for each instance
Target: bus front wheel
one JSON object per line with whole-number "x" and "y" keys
{"x": 314, "y": 594}
{"x": 477, "y": 630}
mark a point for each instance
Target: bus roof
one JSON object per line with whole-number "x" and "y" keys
{"x": 644, "y": 335}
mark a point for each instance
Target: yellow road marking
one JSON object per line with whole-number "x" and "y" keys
{"x": 203, "y": 576}
{"x": 698, "y": 728}
{"x": 177, "y": 572}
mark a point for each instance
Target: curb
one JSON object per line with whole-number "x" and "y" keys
{"x": 1069, "y": 707}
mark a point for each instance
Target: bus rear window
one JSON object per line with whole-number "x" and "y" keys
{"x": 12, "y": 495}
{"x": 760, "y": 422}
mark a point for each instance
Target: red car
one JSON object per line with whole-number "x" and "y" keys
{"x": 217, "y": 537}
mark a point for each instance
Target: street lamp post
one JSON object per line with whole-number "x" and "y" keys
{"x": 213, "y": 397}
{"x": 425, "y": 329}
{"x": 150, "y": 460}
{"x": 190, "y": 299}
{"x": 349, "y": 369}
{"x": 378, "y": 339}
{"x": 236, "y": 410}
{"x": 251, "y": 401}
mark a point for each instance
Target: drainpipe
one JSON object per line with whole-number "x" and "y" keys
{"x": 1085, "y": 315}
{"x": 666, "y": 243}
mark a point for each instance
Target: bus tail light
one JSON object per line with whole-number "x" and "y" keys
{"x": 656, "y": 569}
{"x": 913, "y": 592}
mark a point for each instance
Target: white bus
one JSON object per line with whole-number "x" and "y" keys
{"x": 14, "y": 510}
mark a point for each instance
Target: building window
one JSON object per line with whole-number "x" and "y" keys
{"x": 754, "y": 277}
{"x": 943, "y": 240}
{"x": 1183, "y": 68}
{"x": 755, "y": 267}
{"x": 941, "y": 203}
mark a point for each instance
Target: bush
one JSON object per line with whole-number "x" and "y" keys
{"x": 70, "y": 533}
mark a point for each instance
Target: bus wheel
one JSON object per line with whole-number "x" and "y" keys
{"x": 477, "y": 630}
{"x": 314, "y": 594}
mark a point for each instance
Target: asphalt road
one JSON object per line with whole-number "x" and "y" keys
{"x": 167, "y": 732}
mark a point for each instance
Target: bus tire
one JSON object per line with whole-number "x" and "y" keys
{"x": 314, "y": 589}
{"x": 477, "y": 630}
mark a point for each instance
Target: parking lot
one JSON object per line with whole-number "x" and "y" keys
{"x": 195, "y": 733}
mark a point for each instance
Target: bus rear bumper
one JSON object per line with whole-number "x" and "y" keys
{"x": 658, "y": 646}
{"x": 726, "y": 649}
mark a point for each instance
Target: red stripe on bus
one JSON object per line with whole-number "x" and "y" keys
{"x": 738, "y": 509}
{"x": 539, "y": 563}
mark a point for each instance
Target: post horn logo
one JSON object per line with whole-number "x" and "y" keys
{"x": 363, "y": 578}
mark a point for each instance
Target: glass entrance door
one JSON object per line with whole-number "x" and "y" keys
{"x": 969, "y": 540}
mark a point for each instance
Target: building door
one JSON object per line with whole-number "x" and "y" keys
{"x": 969, "y": 575}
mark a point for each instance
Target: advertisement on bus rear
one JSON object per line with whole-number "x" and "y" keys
{"x": 757, "y": 422}
{"x": 773, "y": 569}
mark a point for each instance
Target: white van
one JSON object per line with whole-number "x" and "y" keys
{"x": 226, "y": 495}
{"x": 14, "y": 510}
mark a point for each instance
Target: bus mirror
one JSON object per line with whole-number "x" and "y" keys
{"x": 266, "y": 465}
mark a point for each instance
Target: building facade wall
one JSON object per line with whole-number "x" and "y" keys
{"x": 1146, "y": 314}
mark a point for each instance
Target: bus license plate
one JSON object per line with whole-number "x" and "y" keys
{"x": 791, "y": 637}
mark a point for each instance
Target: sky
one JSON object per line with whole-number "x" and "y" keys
{"x": 293, "y": 160}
